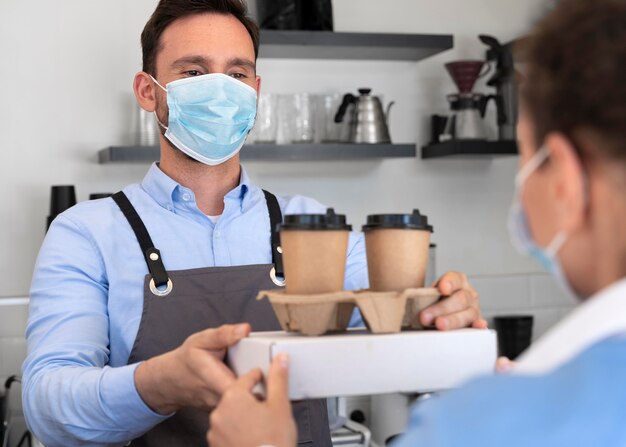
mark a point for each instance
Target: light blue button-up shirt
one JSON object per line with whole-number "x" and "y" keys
{"x": 87, "y": 299}
{"x": 582, "y": 404}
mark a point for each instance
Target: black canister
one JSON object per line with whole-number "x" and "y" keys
{"x": 62, "y": 197}
{"x": 514, "y": 334}
{"x": 99, "y": 195}
{"x": 313, "y": 15}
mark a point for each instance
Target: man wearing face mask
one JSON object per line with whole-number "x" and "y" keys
{"x": 569, "y": 212}
{"x": 135, "y": 298}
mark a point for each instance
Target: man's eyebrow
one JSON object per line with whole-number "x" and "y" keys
{"x": 243, "y": 62}
{"x": 205, "y": 62}
{"x": 193, "y": 59}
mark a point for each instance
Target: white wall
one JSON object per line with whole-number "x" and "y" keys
{"x": 67, "y": 68}
{"x": 66, "y": 77}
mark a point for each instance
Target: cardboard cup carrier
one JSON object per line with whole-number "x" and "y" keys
{"x": 383, "y": 312}
{"x": 314, "y": 248}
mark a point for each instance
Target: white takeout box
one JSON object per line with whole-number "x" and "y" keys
{"x": 360, "y": 363}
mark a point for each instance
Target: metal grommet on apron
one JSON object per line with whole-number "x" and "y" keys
{"x": 204, "y": 298}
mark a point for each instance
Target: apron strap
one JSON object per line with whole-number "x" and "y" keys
{"x": 150, "y": 253}
{"x": 276, "y": 218}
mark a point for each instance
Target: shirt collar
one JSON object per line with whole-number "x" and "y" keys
{"x": 599, "y": 317}
{"x": 240, "y": 193}
{"x": 159, "y": 186}
{"x": 162, "y": 188}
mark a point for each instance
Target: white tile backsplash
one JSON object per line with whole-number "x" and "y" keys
{"x": 502, "y": 292}
{"x": 545, "y": 292}
{"x": 12, "y": 354}
{"x": 13, "y": 316}
{"x": 531, "y": 294}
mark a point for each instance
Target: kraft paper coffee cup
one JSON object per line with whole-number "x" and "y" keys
{"x": 397, "y": 250}
{"x": 314, "y": 250}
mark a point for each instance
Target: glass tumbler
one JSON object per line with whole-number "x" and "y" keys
{"x": 266, "y": 124}
{"x": 303, "y": 118}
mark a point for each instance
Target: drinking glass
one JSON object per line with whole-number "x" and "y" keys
{"x": 266, "y": 124}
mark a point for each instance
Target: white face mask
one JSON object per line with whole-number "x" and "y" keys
{"x": 209, "y": 116}
{"x": 520, "y": 234}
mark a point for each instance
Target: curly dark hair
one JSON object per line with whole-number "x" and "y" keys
{"x": 575, "y": 78}
{"x": 167, "y": 11}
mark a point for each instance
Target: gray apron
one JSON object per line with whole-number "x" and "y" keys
{"x": 179, "y": 303}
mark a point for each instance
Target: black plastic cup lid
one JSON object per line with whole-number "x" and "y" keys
{"x": 414, "y": 221}
{"x": 328, "y": 221}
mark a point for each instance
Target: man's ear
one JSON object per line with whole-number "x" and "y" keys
{"x": 144, "y": 88}
{"x": 258, "y": 85}
{"x": 569, "y": 187}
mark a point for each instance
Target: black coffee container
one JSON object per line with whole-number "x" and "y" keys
{"x": 514, "y": 334}
{"x": 62, "y": 197}
{"x": 312, "y": 15}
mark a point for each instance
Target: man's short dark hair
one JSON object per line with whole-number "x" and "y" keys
{"x": 167, "y": 11}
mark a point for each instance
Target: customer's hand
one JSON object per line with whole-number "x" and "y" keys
{"x": 242, "y": 420}
{"x": 192, "y": 375}
{"x": 459, "y": 308}
{"x": 504, "y": 365}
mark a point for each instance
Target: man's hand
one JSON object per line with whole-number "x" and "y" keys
{"x": 459, "y": 308}
{"x": 192, "y": 375}
{"x": 244, "y": 421}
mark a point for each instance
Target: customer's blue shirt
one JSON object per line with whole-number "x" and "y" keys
{"x": 582, "y": 404}
{"x": 87, "y": 299}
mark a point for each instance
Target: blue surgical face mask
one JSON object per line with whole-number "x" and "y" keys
{"x": 519, "y": 229}
{"x": 209, "y": 116}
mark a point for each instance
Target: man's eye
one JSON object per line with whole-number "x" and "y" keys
{"x": 238, "y": 75}
{"x": 193, "y": 73}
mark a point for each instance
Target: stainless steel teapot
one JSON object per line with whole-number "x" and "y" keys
{"x": 368, "y": 121}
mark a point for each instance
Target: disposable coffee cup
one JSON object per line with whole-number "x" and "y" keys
{"x": 397, "y": 250}
{"x": 314, "y": 250}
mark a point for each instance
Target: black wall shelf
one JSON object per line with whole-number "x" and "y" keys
{"x": 363, "y": 46}
{"x": 470, "y": 149}
{"x": 274, "y": 152}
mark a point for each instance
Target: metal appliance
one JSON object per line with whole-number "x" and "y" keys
{"x": 503, "y": 80}
{"x": 468, "y": 108}
{"x": 368, "y": 121}
{"x": 374, "y": 421}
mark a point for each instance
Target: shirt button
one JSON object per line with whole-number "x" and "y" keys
{"x": 217, "y": 233}
{"x": 186, "y": 197}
